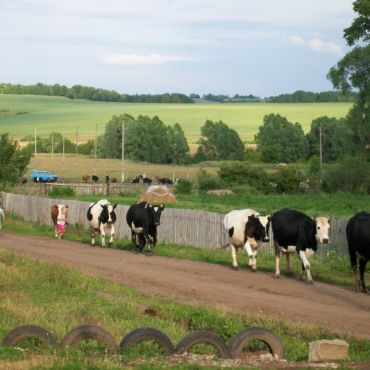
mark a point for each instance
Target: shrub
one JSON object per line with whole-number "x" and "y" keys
{"x": 184, "y": 186}
{"x": 286, "y": 180}
{"x": 61, "y": 191}
{"x": 242, "y": 174}
{"x": 351, "y": 174}
{"x": 207, "y": 181}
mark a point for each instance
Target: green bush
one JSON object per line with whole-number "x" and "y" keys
{"x": 61, "y": 191}
{"x": 351, "y": 174}
{"x": 286, "y": 180}
{"x": 207, "y": 181}
{"x": 184, "y": 186}
{"x": 243, "y": 174}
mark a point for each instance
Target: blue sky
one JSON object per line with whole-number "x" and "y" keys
{"x": 263, "y": 47}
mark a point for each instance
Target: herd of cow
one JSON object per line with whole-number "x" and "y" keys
{"x": 293, "y": 232}
{"x": 133, "y": 180}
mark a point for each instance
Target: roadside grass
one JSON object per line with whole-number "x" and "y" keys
{"x": 340, "y": 205}
{"x": 331, "y": 269}
{"x": 60, "y": 299}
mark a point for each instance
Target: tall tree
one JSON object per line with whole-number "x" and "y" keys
{"x": 219, "y": 142}
{"x": 280, "y": 140}
{"x": 13, "y": 160}
{"x": 353, "y": 71}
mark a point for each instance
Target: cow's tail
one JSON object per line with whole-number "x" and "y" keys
{"x": 89, "y": 214}
{"x": 224, "y": 246}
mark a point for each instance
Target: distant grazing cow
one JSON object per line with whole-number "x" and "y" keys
{"x": 137, "y": 179}
{"x": 147, "y": 180}
{"x": 114, "y": 180}
{"x": 246, "y": 229}
{"x": 143, "y": 219}
{"x": 296, "y": 232}
{"x": 59, "y": 215}
{"x": 102, "y": 217}
{"x": 85, "y": 178}
{"x": 358, "y": 237}
{"x": 164, "y": 180}
{"x": 94, "y": 178}
{"x": 304, "y": 186}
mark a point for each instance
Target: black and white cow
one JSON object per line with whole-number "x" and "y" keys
{"x": 358, "y": 237}
{"x": 246, "y": 229}
{"x": 102, "y": 217}
{"x": 296, "y": 232}
{"x": 143, "y": 219}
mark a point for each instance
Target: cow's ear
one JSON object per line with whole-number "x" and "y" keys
{"x": 150, "y": 205}
{"x": 161, "y": 207}
{"x": 114, "y": 206}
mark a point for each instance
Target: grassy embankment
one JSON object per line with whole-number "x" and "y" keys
{"x": 59, "y": 299}
{"x": 58, "y": 113}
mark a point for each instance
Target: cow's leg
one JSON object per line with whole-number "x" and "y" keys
{"x": 56, "y": 231}
{"x": 102, "y": 236}
{"x": 112, "y": 233}
{"x": 354, "y": 265}
{"x": 93, "y": 233}
{"x": 277, "y": 261}
{"x": 254, "y": 260}
{"x": 362, "y": 275}
{"x": 289, "y": 263}
{"x": 233, "y": 257}
{"x": 306, "y": 266}
{"x": 248, "y": 248}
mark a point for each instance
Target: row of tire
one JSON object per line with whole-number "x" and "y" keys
{"x": 232, "y": 349}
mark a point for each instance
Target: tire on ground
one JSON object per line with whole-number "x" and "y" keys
{"x": 203, "y": 337}
{"x": 241, "y": 339}
{"x": 148, "y": 334}
{"x": 29, "y": 332}
{"x": 83, "y": 332}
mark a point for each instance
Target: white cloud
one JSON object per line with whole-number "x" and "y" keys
{"x": 325, "y": 47}
{"x": 317, "y": 45}
{"x": 297, "y": 40}
{"x": 141, "y": 59}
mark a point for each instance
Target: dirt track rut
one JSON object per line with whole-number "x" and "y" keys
{"x": 340, "y": 309}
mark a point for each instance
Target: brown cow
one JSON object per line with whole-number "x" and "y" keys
{"x": 85, "y": 178}
{"x": 59, "y": 214}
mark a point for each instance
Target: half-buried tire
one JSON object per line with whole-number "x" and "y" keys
{"x": 203, "y": 337}
{"x": 148, "y": 334}
{"x": 29, "y": 332}
{"x": 84, "y": 332}
{"x": 241, "y": 339}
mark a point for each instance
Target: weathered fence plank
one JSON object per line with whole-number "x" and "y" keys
{"x": 178, "y": 226}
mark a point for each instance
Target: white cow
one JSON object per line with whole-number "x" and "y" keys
{"x": 102, "y": 216}
{"x": 241, "y": 235}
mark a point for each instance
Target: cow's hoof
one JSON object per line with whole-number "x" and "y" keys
{"x": 310, "y": 282}
{"x": 277, "y": 276}
{"x": 235, "y": 268}
{"x": 110, "y": 244}
{"x": 254, "y": 269}
{"x": 365, "y": 291}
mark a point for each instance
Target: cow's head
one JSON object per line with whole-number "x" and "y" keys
{"x": 155, "y": 212}
{"x": 322, "y": 230}
{"x": 254, "y": 229}
{"x": 108, "y": 214}
{"x": 265, "y": 222}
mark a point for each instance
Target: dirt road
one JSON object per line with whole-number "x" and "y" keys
{"x": 342, "y": 310}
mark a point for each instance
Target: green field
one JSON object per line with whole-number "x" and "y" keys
{"x": 21, "y": 114}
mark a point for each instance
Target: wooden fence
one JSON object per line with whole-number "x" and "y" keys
{"x": 178, "y": 226}
{"x": 114, "y": 189}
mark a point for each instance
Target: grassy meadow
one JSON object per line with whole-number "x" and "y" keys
{"x": 59, "y": 299}
{"x": 21, "y": 114}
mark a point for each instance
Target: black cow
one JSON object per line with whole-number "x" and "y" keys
{"x": 296, "y": 232}
{"x": 358, "y": 237}
{"x": 94, "y": 178}
{"x": 164, "y": 181}
{"x": 147, "y": 180}
{"x": 143, "y": 219}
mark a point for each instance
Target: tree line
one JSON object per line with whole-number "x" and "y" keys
{"x": 92, "y": 93}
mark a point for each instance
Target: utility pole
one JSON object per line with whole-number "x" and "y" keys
{"x": 76, "y": 146}
{"x": 123, "y": 153}
{"x": 35, "y": 141}
{"x": 63, "y": 144}
{"x": 52, "y": 145}
{"x": 96, "y": 144}
{"x": 320, "y": 140}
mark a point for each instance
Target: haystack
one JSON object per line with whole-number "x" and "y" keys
{"x": 158, "y": 194}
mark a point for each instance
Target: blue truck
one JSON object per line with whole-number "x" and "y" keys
{"x": 43, "y": 176}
